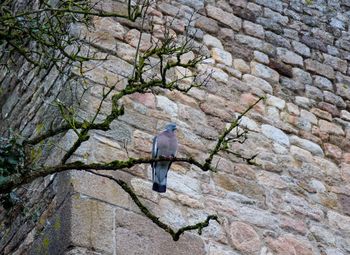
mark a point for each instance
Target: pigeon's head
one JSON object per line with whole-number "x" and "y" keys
{"x": 170, "y": 127}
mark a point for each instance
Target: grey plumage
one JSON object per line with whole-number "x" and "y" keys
{"x": 164, "y": 145}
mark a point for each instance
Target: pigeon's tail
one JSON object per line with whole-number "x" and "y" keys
{"x": 159, "y": 176}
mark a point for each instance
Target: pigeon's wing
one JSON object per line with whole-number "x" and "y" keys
{"x": 154, "y": 156}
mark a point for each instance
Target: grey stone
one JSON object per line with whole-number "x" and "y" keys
{"x": 264, "y": 72}
{"x": 253, "y": 29}
{"x": 301, "y": 48}
{"x": 317, "y": 67}
{"x": 275, "y": 16}
{"x": 302, "y": 101}
{"x": 307, "y": 145}
{"x": 207, "y": 25}
{"x": 276, "y": 102}
{"x": 336, "y": 63}
{"x": 253, "y": 81}
{"x": 249, "y": 41}
{"x": 275, "y": 134}
{"x": 323, "y": 83}
{"x": 313, "y": 93}
{"x": 224, "y": 17}
{"x": 343, "y": 90}
{"x": 289, "y": 57}
{"x": 212, "y": 42}
{"x": 334, "y": 99}
{"x": 277, "y": 40}
{"x": 221, "y": 56}
{"x": 135, "y": 234}
{"x": 292, "y": 85}
{"x": 301, "y": 76}
{"x": 274, "y": 5}
{"x": 261, "y": 57}
{"x": 314, "y": 43}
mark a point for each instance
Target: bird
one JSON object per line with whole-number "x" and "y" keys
{"x": 164, "y": 146}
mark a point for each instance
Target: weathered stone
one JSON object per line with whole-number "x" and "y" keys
{"x": 281, "y": 68}
{"x": 292, "y": 85}
{"x": 215, "y": 73}
{"x": 244, "y": 238}
{"x": 336, "y": 63}
{"x": 332, "y": 151}
{"x": 167, "y": 105}
{"x": 275, "y": 16}
{"x": 90, "y": 220}
{"x": 261, "y": 57}
{"x": 301, "y": 48}
{"x": 293, "y": 109}
{"x": 323, "y": 83}
{"x": 277, "y": 40}
{"x": 314, "y": 66}
{"x": 275, "y": 134}
{"x": 334, "y": 99}
{"x": 322, "y": 234}
{"x": 345, "y": 115}
{"x": 224, "y": 17}
{"x": 338, "y": 221}
{"x": 290, "y": 245}
{"x": 289, "y": 57}
{"x": 332, "y": 109}
{"x": 300, "y": 154}
{"x": 343, "y": 90}
{"x": 253, "y": 81}
{"x": 251, "y": 42}
{"x": 271, "y": 180}
{"x": 212, "y": 42}
{"x": 302, "y": 101}
{"x": 221, "y": 56}
{"x": 290, "y": 223}
{"x": 241, "y": 65}
{"x": 133, "y": 229}
{"x": 277, "y": 6}
{"x": 330, "y": 128}
{"x": 206, "y": 24}
{"x": 314, "y": 43}
{"x": 307, "y": 145}
{"x": 275, "y": 101}
{"x": 264, "y": 72}
{"x": 253, "y": 29}
{"x": 301, "y": 76}
{"x": 313, "y": 93}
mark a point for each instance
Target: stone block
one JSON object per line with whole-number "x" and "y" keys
{"x": 212, "y": 42}
{"x": 136, "y": 234}
{"x": 244, "y": 238}
{"x": 261, "y": 57}
{"x": 221, "y": 56}
{"x": 336, "y": 63}
{"x": 323, "y": 83}
{"x": 224, "y": 17}
{"x": 330, "y": 128}
{"x": 253, "y": 81}
{"x": 253, "y": 29}
{"x": 241, "y": 65}
{"x": 289, "y": 57}
{"x": 307, "y": 145}
{"x": 264, "y": 72}
{"x": 301, "y": 48}
{"x": 317, "y": 67}
{"x": 275, "y": 134}
{"x": 92, "y": 224}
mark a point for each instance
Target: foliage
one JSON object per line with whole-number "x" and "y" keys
{"x": 12, "y": 156}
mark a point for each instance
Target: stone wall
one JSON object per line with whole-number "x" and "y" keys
{"x": 297, "y": 201}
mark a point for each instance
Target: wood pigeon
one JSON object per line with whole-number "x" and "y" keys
{"x": 164, "y": 145}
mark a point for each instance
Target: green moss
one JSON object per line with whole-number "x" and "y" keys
{"x": 57, "y": 225}
{"x": 46, "y": 243}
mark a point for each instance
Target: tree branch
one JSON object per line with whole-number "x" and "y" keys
{"x": 175, "y": 234}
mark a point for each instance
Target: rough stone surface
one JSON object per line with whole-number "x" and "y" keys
{"x": 295, "y": 200}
